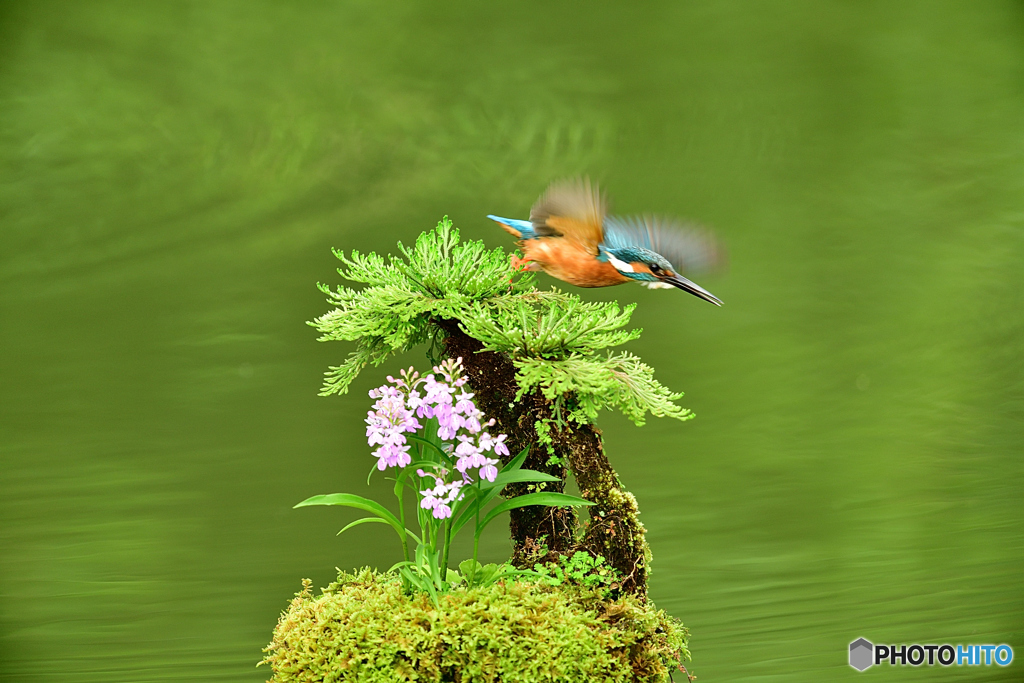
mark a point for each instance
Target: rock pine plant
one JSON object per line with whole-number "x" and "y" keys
{"x": 540, "y": 367}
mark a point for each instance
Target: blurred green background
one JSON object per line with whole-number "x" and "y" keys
{"x": 172, "y": 177}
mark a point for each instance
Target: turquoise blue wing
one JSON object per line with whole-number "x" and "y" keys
{"x": 690, "y": 248}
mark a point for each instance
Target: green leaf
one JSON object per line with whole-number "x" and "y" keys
{"x": 410, "y": 470}
{"x": 425, "y": 442}
{"x": 542, "y": 498}
{"x": 460, "y": 519}
{"x": 486, "y": 573}
{"x": 358, "y": 502}
{"x": 415, "y": 578}
{"x": 468, "y": 568}
{"x": 483, "y": 575}
{"x": 454, "y": 578}
{"x": 488, "y": 491}
{"x": 432, "y": 591}
{"x": 516, "y": 462}
{"x": 462, "y": 502}
{"x": 364, "y": 520}
{"x": 482, "y": 496}
{"x": 519, "y": 572}
{"x": 518, "y": 477}
{"x": 466, "y": 508}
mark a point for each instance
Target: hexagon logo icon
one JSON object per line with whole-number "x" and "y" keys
{"x": 861, "y": 651}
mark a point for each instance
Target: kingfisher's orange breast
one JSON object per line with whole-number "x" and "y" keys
{"x": 570, "y": 262}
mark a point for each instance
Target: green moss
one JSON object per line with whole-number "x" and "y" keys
{"x": 364, "y": 628}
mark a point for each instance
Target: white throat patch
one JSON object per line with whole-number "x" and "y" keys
{"x": 620, "y": 266}
{"x": 657, "y": 285}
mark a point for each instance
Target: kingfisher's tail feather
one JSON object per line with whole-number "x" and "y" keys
{"x": 522, "y": 230}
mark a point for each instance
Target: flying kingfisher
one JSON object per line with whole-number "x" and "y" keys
{"x": 570, "y": 236}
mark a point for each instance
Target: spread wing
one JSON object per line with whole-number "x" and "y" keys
{"x": 690, "y": 248}
{"x": 574, "y": 209}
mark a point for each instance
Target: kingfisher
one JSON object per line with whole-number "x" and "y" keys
{"x": 570, "y": 236}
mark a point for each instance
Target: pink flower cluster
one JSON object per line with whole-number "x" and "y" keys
{"x": 387, "y": 424}
{"x": 440, "y": 498}
{"x": 442, "y": 397}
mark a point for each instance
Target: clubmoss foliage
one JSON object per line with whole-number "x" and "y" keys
{"x": 541, "y": 364}
{"x": 365, "y": 628}
{"x": 554, "y": 339}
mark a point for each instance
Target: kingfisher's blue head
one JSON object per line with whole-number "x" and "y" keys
{"x": 652, "y": 270}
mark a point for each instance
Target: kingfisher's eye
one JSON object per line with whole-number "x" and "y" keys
{"x": 656, "y": 269}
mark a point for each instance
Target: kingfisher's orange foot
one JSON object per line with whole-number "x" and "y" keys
{"x": 518, "y": 265}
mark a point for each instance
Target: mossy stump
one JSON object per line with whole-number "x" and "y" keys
{"x": 365, "y": 628}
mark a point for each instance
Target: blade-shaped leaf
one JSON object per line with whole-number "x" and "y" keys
{"x": 364, "y": 520}
{"x": 507, "y": 475}
{"x": 411, "y": 468}
{"x": 467, "y": 514}
{"x": 489, "y": 491}
{"x": 429, "y": 432}
{"x": 516, "y": 462}
{"x": 430, "y": 444}
{"x": 414, "y": 537}
{"x": 518, "y": 476}
{"x": 408, "y": 471}
{"x": 482, "y": 497}
{"x": 358, "y": 502}
{"x": 463, "y": 500}
{"x": 543, "y": 498}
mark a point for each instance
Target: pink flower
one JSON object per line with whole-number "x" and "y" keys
{"x": 464, "y": 404}
{"x": 387, "y": 425}
{"x": 440, "y": 498}
{"x": 392, "y": 456}
{"x": 488, "y": 442}
{"x": 440, "y": 395}
{"x": 489, "y": 471}
{"x": 472, "y": 423}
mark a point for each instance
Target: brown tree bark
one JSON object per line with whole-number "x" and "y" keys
{"x": 544, "y": 533}
{"x": 614, "y": 530}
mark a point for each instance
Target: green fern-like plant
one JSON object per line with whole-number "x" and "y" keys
{"x": 557, "y": 342}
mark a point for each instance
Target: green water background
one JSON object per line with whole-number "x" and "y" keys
{"x": 172, "y": 177}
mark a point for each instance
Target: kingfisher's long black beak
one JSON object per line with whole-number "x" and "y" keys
{"x": 693, "y": 288}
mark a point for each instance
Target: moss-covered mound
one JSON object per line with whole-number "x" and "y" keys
{"x": 364, "y": 628}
